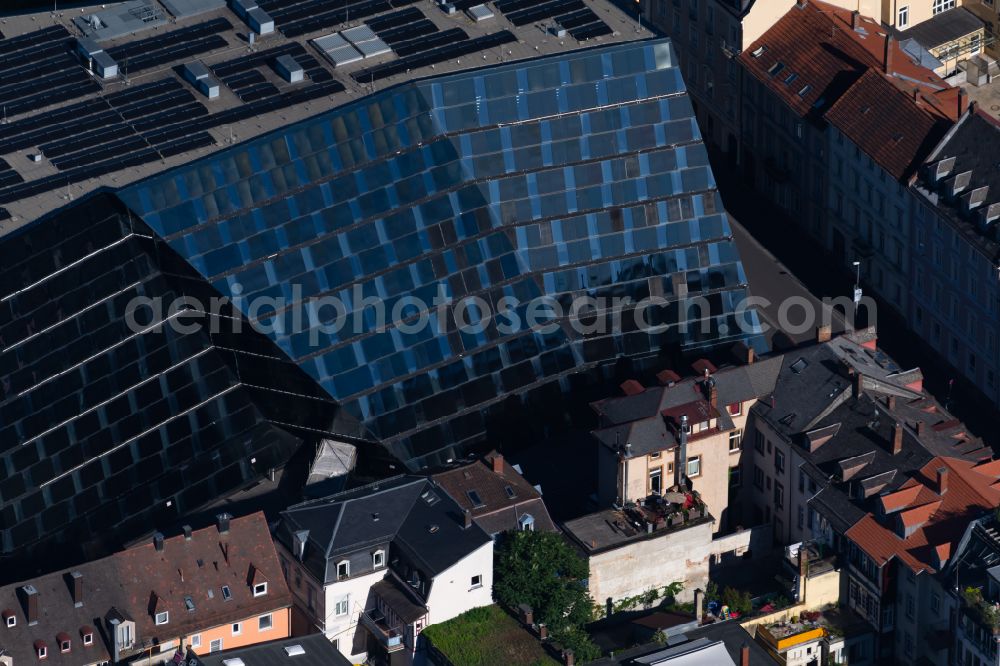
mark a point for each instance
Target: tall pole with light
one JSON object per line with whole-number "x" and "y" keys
{"x": 857, "y": 286}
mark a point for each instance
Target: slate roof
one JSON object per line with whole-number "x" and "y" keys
{"x": 397, "y": 511}
{"x": 316, "y": 651}
{"x": 498, "y": 510}
{"x": 818, "y": 44}
{"x": 974, "y": 142}
{"x": 945, "y": 27}
{"x": 885, "y": 123}
{"x": 937, "y": 524}
{"x": 638, "y": 419}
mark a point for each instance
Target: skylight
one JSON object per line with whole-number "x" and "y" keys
{"x": 510, "y": 492}
{"x": 791, "y": 77}
{"x": 474, "y": 497}
{"x": 774, "y": 69}
{"x": 805, "y": 90}
{"x": 759, "y": 51}
{"x": 799, "y": 366}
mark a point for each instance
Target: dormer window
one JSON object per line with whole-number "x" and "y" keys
{"x": 88, "y": 636}
{"x": 41, "y": 649}
{"x": 527, "y": 523}
{"x": 343, "y": 570}
{"x": 378, "y": 559}
{"x": 9, "y": 619}
{"x": 65, "y": 644}
{"x": 162, "y": 618}
{"x": 260, "y": 589}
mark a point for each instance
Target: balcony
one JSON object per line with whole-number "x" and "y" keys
{"x": 980, "y": 610}
{"x": 390, "y": 637}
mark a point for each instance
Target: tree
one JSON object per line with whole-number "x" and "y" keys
{"x": 541, "y": 570}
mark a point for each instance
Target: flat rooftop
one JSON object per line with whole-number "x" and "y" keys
{"x": 613, "y": 528}
{"x": 92, "y": 133}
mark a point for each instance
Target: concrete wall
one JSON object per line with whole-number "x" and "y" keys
{"x": 756, "y": 540}
{"x": 681, "y": 555}
{"x": 452, "y": 594}
{"x": 248, "y": 634}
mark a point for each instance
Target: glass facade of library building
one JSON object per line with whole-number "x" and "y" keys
{"x": 581, "y": 174}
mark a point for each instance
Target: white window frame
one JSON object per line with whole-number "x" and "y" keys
{"x": 236, "y": 628}
{"x": 213, "y": 643}
{"x": 65, "y": 646}
{"x": 378, "y": 559}
{"x": 940, "y": 6}
{"x": 476, "y": 582}
{"x": 12, "y": 621}
{"x": 43, "y": 652}
{"x": 697, "y": 461}
{"x": 736, "y": 436}
{"x": 88, "y": 639}
{"x": 195, "y": 640}
{"x": 347, "y": 569}
{"x": 260, "y": 623}
{"x": 345, "y": 603}
{"x": 260, "y": 589}
{"x": 903, "y": 17}
{"x": 165, "y": 615}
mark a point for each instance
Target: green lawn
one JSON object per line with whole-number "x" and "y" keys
{"x": 486, "y": 637}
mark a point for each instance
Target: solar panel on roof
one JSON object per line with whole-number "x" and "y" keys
{"x": 344, "y": 55}
{"x": 329, "y": 42}
{"x": 373, "y": 47}
{"x": 361, "y": 33}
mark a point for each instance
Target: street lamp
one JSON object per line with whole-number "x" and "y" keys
{"x": 857, "y": 286}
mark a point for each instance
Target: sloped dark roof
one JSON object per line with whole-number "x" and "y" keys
{"x": 317, "y": 650}
{"x": 945, "y": 27}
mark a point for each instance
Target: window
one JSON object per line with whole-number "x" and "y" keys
{"x": 910, "y": 606}
{"x": 935, "y": 602}
{"x": 342, "y": 607}
{"x": 88, "y": 639}
{"x": 655, "y": 481}
{"x": 802, "y": 517}
{"x": 310, "y": 597}
{"x": 779, "y": 495}
{"x": 162, "y": 618}
{"x": 942, "y": 6}
{"x": 735, "y": 409}
{"x": 477, "y": 581}
{"x": 215, "y": 645}
{"x": 758, "y": 442}
{"x": 758, "y": 477}
{"x": 260, "y": 589}
{"x": 227, "y": 594}
{"x": 378, "y": 559}
{"x": 474, "y": 497}
{"x": 779, "y": 461}
{"x": 64, "y": 646}
{"x": 735, "y": 439}
{"x": 237, "y": 628}
{"x": 735, "y": 477}
{"x": 43, "y": 652}
{"x": 343, "y": 570}
{"x": 694, "y": 466}
{"x": 527, "y": 523}
{"x": 510, "y": 492}
{"x": 264, "y": 622}
{"x": 195, "y": 641}
{"x": 12, "y": 621}
{"x": 655, "y": 455}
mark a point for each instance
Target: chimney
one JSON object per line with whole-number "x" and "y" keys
{"x": 745, "y": 654}
{"x": 859, "y": 384}
{"x": 468, "y": 519}
{"x": 823, "y": 333}
{"x": 76, "y": 580}
{"x": 699, "y": 605}
{"x": 29, "y": 598}
{"x": 890, "y": 402}
{"x": 543, "y": 631}
{"x": 897, "y": 438}
{"x": 919, "y": 428}
{"x": 158, "y": 542}
{"x": 888, "y": 54}
{"x": 569, "y": 657}
{"x": 750, "y": 355}
{"x": 961, "y": 102}
{"x": 803, "y": 572}
{"x": 713, "y": 393}
{"x": 222, "y": 522}
{"x": 855, "y": 19}
{"x": 680, "y": 465}
{"x": 942, "y": 480}
{"x": 498, "y": 464}
{"x": 187, "y": 532}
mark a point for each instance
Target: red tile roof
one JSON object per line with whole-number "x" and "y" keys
{"x": 828, "y": 58}
{"x": 940, "y": 523}
{"x": 903, "y": 497}
{"x": 883, "y": 121}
